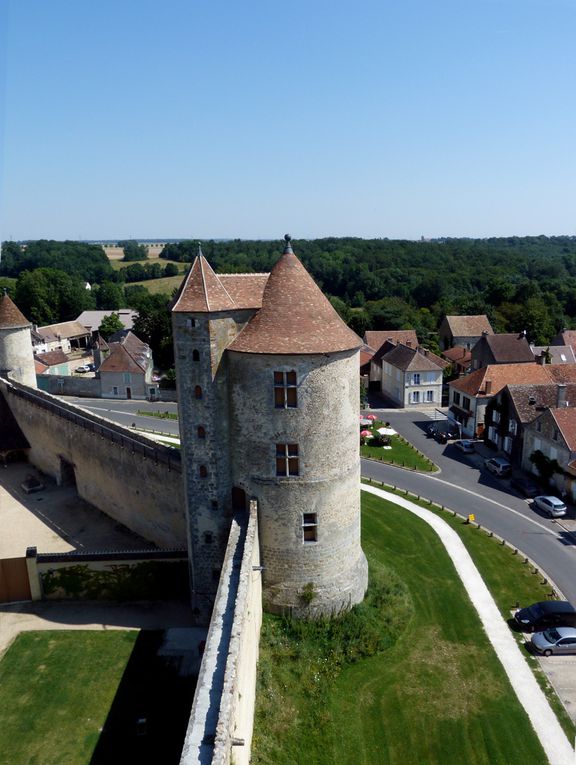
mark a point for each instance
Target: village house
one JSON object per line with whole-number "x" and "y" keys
{"x": 501, "y": 349}
{"x": 54, "y": 363}
{"x": 553, "y": 434}
{"x": 514, "y": 407}
{"x": 459, "y": 358}
{"x": 126, "y": 370}
{"x": 553, "y": 354}
{"x": 66, "y": 336}
{"x": 411, "y": 378}
{"x": 463, "y": 330}
{"x": 470, "y": 395}
{"x": 381, "y": 341}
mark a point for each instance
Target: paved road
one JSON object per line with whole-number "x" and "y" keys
{"x": 466, "y": 487}
{"x": 125, "y": 412}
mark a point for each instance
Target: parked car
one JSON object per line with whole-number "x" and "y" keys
{"x": 560, "y": 640}
{"x": 83, "y": 368}
{"x": 431, "y": 431}
{"x": 553, "y": 506}
{"x": 441, "y": 436}
{"x": 498, "y": 466}
{"x": 525, "y": 486}
{"x": 548, "y": 613}
{"x": 465, "y": 446}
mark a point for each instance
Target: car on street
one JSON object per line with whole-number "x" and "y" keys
{"x": 525, "y": 486}
{"x": 553, "y": 506}
{"x": 465, "y": 446}
{"x": 498, "y": 466}
{"x": 83, "y": 368}
{"x": 547, "y": 613}
{"x": 555, "y": 640}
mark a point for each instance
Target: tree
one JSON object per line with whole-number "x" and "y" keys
{"x": 109, "y": 296}
{"x": 109, "y": 325}
{"x": 153, "y": 325}
{"x": 48, "y": 296}
{"x": 171, "y": 269}
{"x": 133, "y": 250}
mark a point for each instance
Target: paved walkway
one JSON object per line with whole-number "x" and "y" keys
{"x": 553, "y": 739}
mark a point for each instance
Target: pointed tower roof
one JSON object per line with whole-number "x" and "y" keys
{"x": 10, "y": 316}
{"x": 202, "y": 290}
{"x": 295, "y": 316}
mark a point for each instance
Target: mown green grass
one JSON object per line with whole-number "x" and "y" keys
{"x": 165, "y": 285}
{"x": 402, "y": 453}
{"x": 56, "y": 689}
{"x": 118, "y": 265}
{"x": 436, "y": 694}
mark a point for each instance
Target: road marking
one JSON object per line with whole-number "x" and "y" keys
{"x": 493, "y": 501}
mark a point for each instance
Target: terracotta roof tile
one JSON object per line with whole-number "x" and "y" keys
{"x": 504, "y": 349}
{"x": 10, "y": 316}
{"x": 202, "y": 290}
{"x": 376, "y": 338}
{"x": 458, "y": 353}
{"x": 530, "y": 400}
{"x": 245, "y": 289}
{"x": 51, "y": 358}
{"x": 562, "y": 373}
{"x": 409, "y": 359}
{"x": 65, "y": 329}
{"x": 559, "y": 354}
{"x": 469, "y": 326}
{"x": 499, "y": 375}
{"x": 295, "y": 316}
{"x": 566, "y": 420}
{"x": 120, "y": 360}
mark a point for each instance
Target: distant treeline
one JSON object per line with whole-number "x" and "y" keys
{"x": 522, "y": 283}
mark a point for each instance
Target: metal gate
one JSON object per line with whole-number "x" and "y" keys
{"x": 14, "y": 582}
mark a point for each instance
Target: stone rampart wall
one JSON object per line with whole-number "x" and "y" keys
{"x": 62, "y": 385}
{"x": 127, "y": 476}
{"x": 220, "y": 727}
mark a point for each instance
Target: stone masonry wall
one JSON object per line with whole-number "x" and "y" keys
{"x": 333, "y": 568}
{"x": 220, "y": 726}
{"x": 128, "y": 477}
{"x": 16, "y": 355}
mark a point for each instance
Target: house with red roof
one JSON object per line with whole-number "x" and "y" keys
{"x": 553, "y": 434}
{"x": 126, "y": 370}
{"x": 463, "y": 330}
{"x": 412, "y": 378}
{"x": 469, "y": 395}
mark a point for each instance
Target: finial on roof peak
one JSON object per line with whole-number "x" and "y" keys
{"x": 288, "y": 245}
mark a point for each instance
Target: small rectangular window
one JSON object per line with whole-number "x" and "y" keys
{"x": 115, "y": 390}
{"x": 429, "y": 395}
{"x": 190, "y": 323}
{"x": 285, "y": 390}
{"x": 416, "y": 379}
{"x": 309, "y": 527}
{"x": 287, "y": 459}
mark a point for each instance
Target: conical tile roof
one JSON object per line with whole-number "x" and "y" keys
{"x": 295, "y": 316}
{"x": 202, "y": 290}
{"x": 10, "y": 316}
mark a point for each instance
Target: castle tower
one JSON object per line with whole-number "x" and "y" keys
{"x": 16, "y": 355}
{"x": 294, "y": 383}
{"x": 206, "y": 318}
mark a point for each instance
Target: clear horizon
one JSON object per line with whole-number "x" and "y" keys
{"x": 221, "y": 121}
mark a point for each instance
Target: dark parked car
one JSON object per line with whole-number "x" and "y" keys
{"x": 548, "y": 613}
{"x": 560, "y": 640}
{"x": 525, "y": 486}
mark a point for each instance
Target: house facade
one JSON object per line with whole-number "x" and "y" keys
{"x": 410, "y": 378}
{"x": 463, "y": 330}
{"x": 553, "y": 434}
{"x": 126, "y": 371}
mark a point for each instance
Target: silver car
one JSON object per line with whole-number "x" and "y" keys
{"x": 560, "y": 640}
{"x": 551, "y": 505}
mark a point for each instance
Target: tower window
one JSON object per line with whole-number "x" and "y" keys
{"x": 208, "y": 537}
{"x": 287, "y": 459}
{"x": 203, "y": 471}
{"x": 195, "y": 355}
{"x": 201, "y": 432}
{"x": 190, "y": 323}
{"x": 309, "y": 527}
{"x": 214, "y": 504}
{"x": 285, "y": 390}
{"x": 197, "y": 392}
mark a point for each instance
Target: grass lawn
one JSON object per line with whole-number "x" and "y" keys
{"x": 165, "y": 285}
{"x": 56, "y": 689}
{"x": 118, "y": 265}
{"x": 433, "y": 692}
{"x": 402, "y": 453}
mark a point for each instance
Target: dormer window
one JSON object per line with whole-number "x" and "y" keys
{"x": 285, "y": 390}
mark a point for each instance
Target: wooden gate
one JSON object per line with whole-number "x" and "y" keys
{"x": 14, "y": 582}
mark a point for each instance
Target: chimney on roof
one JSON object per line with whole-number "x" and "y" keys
{"x": 488, "y": 387}
{"x": 561, "y": 396}
{"x": 409, "y": 343}
{"x": 485, "y": 332}
{"x": 541, "y": 359}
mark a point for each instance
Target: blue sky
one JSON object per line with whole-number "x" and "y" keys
{"x": 181, "y": 118}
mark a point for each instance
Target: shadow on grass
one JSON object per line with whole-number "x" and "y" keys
{"x": 149, "y": 715}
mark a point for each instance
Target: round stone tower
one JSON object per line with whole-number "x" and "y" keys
{"x": 16, "y": 355}
{"x": 294, "y": 398}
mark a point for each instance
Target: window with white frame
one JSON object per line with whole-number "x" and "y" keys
{"x": 430, "y": 395}
{"x": 495, "y": 416}
{"x": 553, "y": 453}
{"x": 512, "y": 427}
{"x": 416, "y": 378}
{"x": 492, "y": 434}
{"x": 415, "y": 396}
{"x": 285, "y": 390}
{"x": 507, "y": 445}
{"x": 309, "y": 527}
{"x": 466, "y": 403}
{"x": 456, "y": 397}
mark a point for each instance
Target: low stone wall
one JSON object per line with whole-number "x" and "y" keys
{"x": 117, "y": 575}
{"x": 221, "y": 723}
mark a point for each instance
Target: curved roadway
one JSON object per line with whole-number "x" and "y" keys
{"x": 464, "y": 485}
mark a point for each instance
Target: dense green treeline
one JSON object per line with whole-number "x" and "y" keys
{"x": 520, "y": 282}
